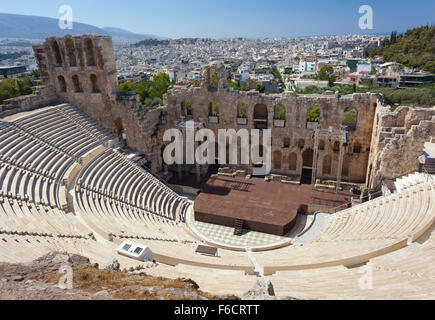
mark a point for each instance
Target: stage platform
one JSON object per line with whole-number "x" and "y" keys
{"x": 267, "y": 207}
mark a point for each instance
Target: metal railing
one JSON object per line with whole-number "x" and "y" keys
{"x": 363, "y": 200}
{"x": 427, "y": 174}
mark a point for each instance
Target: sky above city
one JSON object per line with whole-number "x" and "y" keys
{"x": 235, "y": 18}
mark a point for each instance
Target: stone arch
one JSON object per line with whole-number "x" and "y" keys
{"x": 277, "y": 159}
{"x": 70, "y": 51}
{"x": 94, "y": 83}
{"x": 327, "y": 163}
{"x": 56, "y": 52}
{"x": 307, "y": 158}
{"x": 350, "y": 117}
{"x": 76, "y": 83}
{"x": 293, "y": 161}
{"x": 62, "y": 84}
{"x": 89, "y": 52}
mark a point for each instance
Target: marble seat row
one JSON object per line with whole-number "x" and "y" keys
{"x": 360, "y": 233}
{"x": 402, "y": 274}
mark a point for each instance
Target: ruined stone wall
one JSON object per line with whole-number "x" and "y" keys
{"x": 397, "y": 142}
{"x": 287, "y": 141}
{"x": 383, "y": 144}
{"x": 82, "y": 70}
{"x": 42, "y": 97}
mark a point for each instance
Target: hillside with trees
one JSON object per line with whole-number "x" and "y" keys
{"x": 423, "y": 96}
{"x": 415, "y": 48}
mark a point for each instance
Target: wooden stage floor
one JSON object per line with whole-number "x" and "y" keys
{"x": 269, "y": 207}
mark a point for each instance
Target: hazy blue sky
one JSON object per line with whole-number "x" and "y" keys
{"x": 233, "y": 18}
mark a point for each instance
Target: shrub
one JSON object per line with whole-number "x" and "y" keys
{"x": 243, "y": 111}
{"x": 280, "y": 112}
{"x": 313, "y": 114}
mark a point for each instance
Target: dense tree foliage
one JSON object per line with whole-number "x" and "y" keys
{"x": 423, "y": 96}
{"x": 313, "y": 114}
{"x": 415, "y": 48}
{"x": 11, "y": 88}
{"x": 150, "y": 91}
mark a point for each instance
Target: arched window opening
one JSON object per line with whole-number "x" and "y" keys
{"x": 280, "y": 112}
{"x": 57, "y": 54}
{"x": 242, "y": 110}
{"x": 94, "y": 83}
{"x": 322, "y": 145}
{"x": 357, "y": 147}
{"x": 260, "y": 112}
{"x": 89, "y": 51}
{"x": 70, "y": 49}
{"x": 307, "y": 157}
{"x": 350, "y": 118}
{"x": 213, "y": 109}
{"x": 76, "y": 83}
{"x": 313, "y": 114}
{"x": 286, "y": 143}
{"x": 188, "y": 108}
{"x": 62, "y": 83}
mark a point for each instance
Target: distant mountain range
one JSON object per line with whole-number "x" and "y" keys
{"x": 33, "y": 27}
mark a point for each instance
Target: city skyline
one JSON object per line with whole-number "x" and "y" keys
{"x": 224, "y": 19}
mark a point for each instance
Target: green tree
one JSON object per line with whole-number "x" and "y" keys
{"x": 12, "y": 88}
{"x": 415, "y": 48}
{"x": 313, "y": 114}
{"x": 150, "y": 91}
